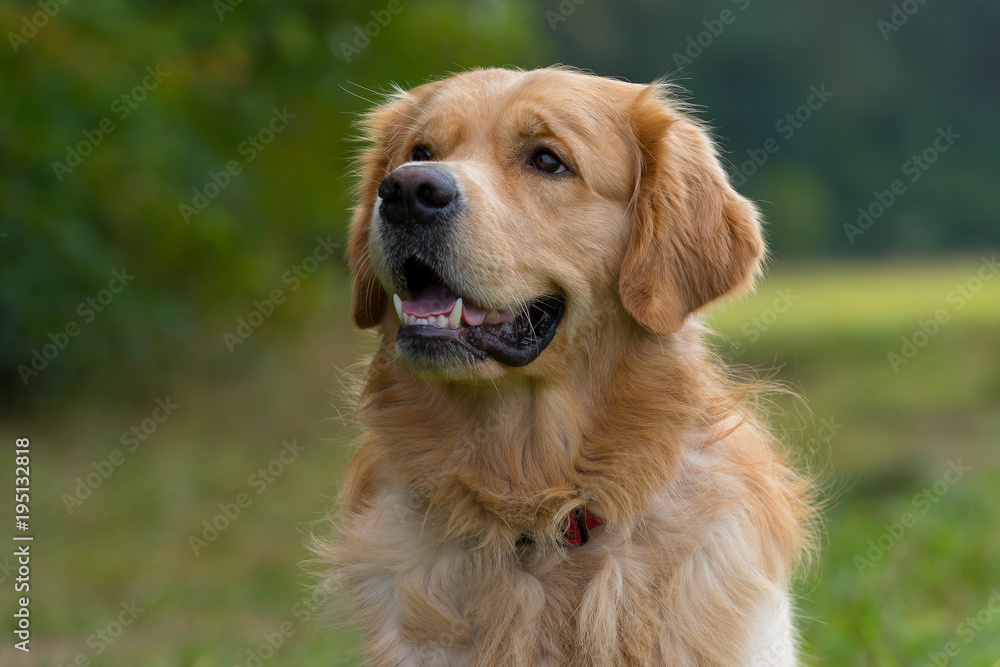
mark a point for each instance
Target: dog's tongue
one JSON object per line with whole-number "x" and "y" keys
{"x": 437, "y": 299}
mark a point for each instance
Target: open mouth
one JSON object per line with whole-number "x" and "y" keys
{"x": 439, "y": 322}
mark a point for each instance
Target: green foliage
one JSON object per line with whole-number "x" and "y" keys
{"x": 879, "y": 441}
{"x": 892, "y": 90}
{"x": 222, "y": 73}
{"x": 226, "y": 65}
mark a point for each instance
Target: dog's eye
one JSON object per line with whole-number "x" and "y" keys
{"x": 420, "y": 153}
{"x": 546, "y": 160}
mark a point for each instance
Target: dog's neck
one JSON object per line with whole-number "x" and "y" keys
{"x": 515, "y": 459}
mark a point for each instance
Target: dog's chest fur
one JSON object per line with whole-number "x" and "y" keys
{"x": 689, "y": 569}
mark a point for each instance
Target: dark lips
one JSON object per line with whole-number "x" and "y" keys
{"x": 517, "y": 342}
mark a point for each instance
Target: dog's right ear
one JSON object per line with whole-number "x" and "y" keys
{"x": 693, "y": 239}
{"x": 382, "y": 128}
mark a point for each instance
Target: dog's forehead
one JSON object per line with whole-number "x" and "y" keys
{"x": 521, "y": 102}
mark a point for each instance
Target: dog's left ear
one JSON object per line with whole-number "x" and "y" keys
{"x": 368, "y": 299}
{"x": 381, "y": 128}
{"x": 694, "y": 238}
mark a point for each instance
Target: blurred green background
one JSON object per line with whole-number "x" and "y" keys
{"x": 174, "y": 336}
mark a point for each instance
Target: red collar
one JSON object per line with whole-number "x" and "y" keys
{"x": 578, "y": 524}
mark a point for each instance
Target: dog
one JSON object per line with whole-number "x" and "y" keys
{"x": 555, "y": 469}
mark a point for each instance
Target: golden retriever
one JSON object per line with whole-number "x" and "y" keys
{"x": 555, "y": 471}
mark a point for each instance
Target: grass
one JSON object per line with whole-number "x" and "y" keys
{"x": 878, "y": 437}
{"x": 896, "y": 432}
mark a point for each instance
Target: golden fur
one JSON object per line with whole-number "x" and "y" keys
{"x": 625, "y": 411}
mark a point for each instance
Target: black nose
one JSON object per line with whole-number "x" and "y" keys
{"x": 417, "y": 194}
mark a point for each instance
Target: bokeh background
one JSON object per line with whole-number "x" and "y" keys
{"x": 174, "y": 335}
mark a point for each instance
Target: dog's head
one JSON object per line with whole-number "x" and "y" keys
{"x": 504, "y": 213}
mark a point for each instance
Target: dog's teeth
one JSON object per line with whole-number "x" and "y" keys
{"x": 493, "y": 313}
{"x": 399, "y": 307}
{"x": 442, "y": 321}
{"x": 412, "y": 319}
{"x": 455, "y": 316}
